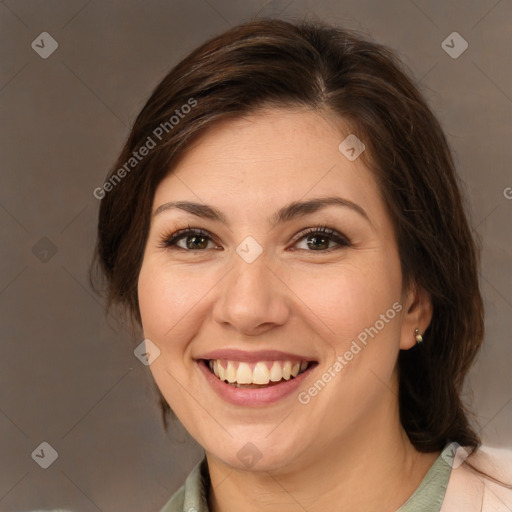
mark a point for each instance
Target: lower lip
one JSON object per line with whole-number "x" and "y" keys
{"x": 255, "y": 397}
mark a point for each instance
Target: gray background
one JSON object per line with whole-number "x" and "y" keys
{"x": 68, "y": 375}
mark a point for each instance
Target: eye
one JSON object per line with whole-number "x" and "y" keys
{"x": 320, "y": 238}
{"x": 191, "y": 239}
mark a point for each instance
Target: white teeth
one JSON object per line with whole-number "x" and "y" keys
{"x": 287, "y": 370}
{"x": 241, "y": 372}
{"x": 260, "y": 374}
{"x": 231, "y": 372}
{"x": 276, "y": 372}
{"x": 221, "y": 370}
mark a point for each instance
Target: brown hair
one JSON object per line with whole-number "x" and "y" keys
{"x": 273, "y": 63}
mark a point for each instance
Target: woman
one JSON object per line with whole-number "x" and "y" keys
{"x": 285, "y": 224}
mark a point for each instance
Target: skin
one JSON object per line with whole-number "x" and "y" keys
{"x": 291, "y": 298}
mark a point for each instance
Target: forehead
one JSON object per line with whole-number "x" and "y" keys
{"x": 269, "y": 158}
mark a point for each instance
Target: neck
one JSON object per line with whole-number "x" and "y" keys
{"x": 375, "y": 468}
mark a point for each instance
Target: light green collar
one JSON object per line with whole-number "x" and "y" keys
{"x": 193, "y": 495}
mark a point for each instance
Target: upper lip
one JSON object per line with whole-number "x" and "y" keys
{"x": 253, "y": 357}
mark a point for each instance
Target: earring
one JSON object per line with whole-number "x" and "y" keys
{"x": 418, "y": 336}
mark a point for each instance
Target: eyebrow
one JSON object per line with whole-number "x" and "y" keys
{"x": 289, "y": 212}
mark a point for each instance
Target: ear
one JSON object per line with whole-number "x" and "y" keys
{"x": 417, "y": 315}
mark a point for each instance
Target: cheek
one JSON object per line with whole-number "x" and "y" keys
{"x": 346, "y": 299}
{"x": 168, "y": 301}
{"x": 360, "y": 312}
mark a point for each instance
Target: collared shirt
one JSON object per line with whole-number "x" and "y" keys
{"x": 441, "y": 490}
{"x": 429, "y": 496}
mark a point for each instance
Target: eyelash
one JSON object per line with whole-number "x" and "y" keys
{"x": 169, "y": 241}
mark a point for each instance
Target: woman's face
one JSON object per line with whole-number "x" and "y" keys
{"x": 261, "y": 293}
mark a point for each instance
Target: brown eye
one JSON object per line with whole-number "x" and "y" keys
{"x": 321, "y": 239}
{"x": 190, "y": 239}
{"x": 195, "y": 242}
{"x": 316, "y": 242}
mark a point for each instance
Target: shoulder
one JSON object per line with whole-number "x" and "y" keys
{"x": 483, "y": 482}
{"x": 495, "y": 459}
{"x": 192, "y": 495}
{"x": 175, "y": 504}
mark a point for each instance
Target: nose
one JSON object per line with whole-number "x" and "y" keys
{"x": 251, "y": 299}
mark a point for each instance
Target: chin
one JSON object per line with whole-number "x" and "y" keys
{"x": 256, "y": 450}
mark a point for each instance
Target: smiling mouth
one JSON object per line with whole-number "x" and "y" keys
{"x": 256, "y": 375}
